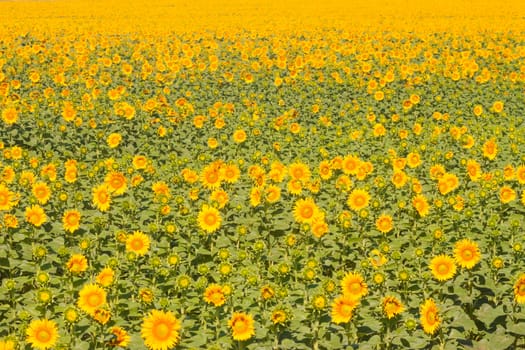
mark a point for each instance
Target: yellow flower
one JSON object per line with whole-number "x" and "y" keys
{"x": 443, "y": 267}
{"x": 466, "y": 253}
{"x": 114, "y": 140}
{"x": 358, "y": 199}
{"x": 343, "y": 308}
{"x": 490, "y": 149}
{"x": 160, "y": 330}
{"x": 209, "y": 219}
{"x": 420, "y": 203}
{"x": 101, "y": 197}
{"x": 507, "y": 194}
{"x": 239, "y": 136}
{"x": 305, "y": 211}
{"x": 42, "y": 334}
{"x": 519, "y": 290}
{"x": 91, "y": 298}
{"x": 10, "y": 115}
{"x": 497, "y": 106}
{"x": 138, "y": 243}
{"x": 71, "y": 220}
{"x": 354, "y": 285}
{"x": 7, "y": 198}
{"x": 392, "y": 306}
{"x": 384, "y": 223}
{"x": 242, "y": 326}
{"x": 105, "y": 277}
{"x": 116, "y": 182}
{"x": 121, "y": 338}
{"x": 429, "y": 316}
{"x": 41, "y": 192}
{"x": 35, "y": 215}
{"x": 214, "y": 294}
{"x": 77, "y": 263}
{"x": 279, "y": 317}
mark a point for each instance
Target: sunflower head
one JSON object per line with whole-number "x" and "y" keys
{"x": 443, "y": 267}
{"x": 160, "y": 330}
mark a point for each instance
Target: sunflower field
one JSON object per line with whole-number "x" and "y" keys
{"x": 262, "y": 175}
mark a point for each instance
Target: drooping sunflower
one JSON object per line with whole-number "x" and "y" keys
{"x": 420, "y": 203}
{"x": 91, "y": 298}
{"x": 429, "y": 316}
{"x": 35, "y": 215}
{"x": 42, "y": 334}
{"x": 392, "y": 306}
{"x": 101, "y": 197}
{"x": 466, "y": 253}
{"x": 77, "y": 263}
{"x": 214, "y": 294}
{"x": 519, "y": 289}
{"x": 384, "y": 223}
{"x": 138, "y": 243}
{"x": 122, "y": 337}
{"x": 209, "y": 219}
{"x": 41, "y": 191}
{"x": 358, "y": 199}
{"x": 443, "y": 267}
{"x": 71, "y": 220}
{"x": 242, "y": 326}
{"x": 305, "y": 210}
{"x": 279, "y": 316}
{"x": 507, "y": 194}
{"x": 343, "y": 308}
{"x": 354, "y": 285}
{"x": 105, "y": 277}
{"x": 160, "y": 330}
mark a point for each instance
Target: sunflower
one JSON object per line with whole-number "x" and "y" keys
{"x": 519, "y": 290}
{"x": 448, "y": 183}
{"x": 209, "y": 219}
{"x": 214, "y": 294}
{"x": 354, "y": 285}
{"x": 429, "y": 316}
{"x": 138, "y": 243}
{"x": 116, "y": 182}
{"x": 71, "y": 220}
{"x": 279, "y": 316}
{"x": 121, "y": 337}
{"x": 211, "y": 176}
{"x": 420, "y": 203}
{"x": 230, "y": 173}
{"x": 272, "y": 193}
{"x": 160, "y": 330}
{"x": 106, "y": 277}
{"x": 358, "y": 199}
{"x": 294, "y": 187}
{"x": 443, "y": 267}
{"x": 507, "y": 194}
{"x": 490, "y": 149}
{"x": 305, "y": 210}
{"x": 91, "y": 298}
{"x": 384, "y": 223}
{"x": 466, "y": 253}
{"x": 520, "y": 174}
{"x": 42, "y": 334}
{"x": 399, "y": 179}
{"x": 35, "y": 215}
{"x": 473, "y": 170}
{"x": 7, "y": 344}
{"x": 220, "y": 196}
{"x": 7, "y": 198}
{"x": 239, "y": 136}
{"x": 392, "y": 306}
{"x": 343, "y": 308}
{"x": 140, "y": 162}
{"x": 497, "y": 106}
{"x": 325, "y": 170}
{"x": 350, "y": 165}
{"x": 77, "y": 263}
{"x": 10, "y": 115}
{"x": 299, "y": 171}
{"x": 101, "y": 197}
{"x": 242, "y": 326}
{"x": 41, "y": 192}
{"x": 319, "y": 228}
{"x": 114, "y": 140}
